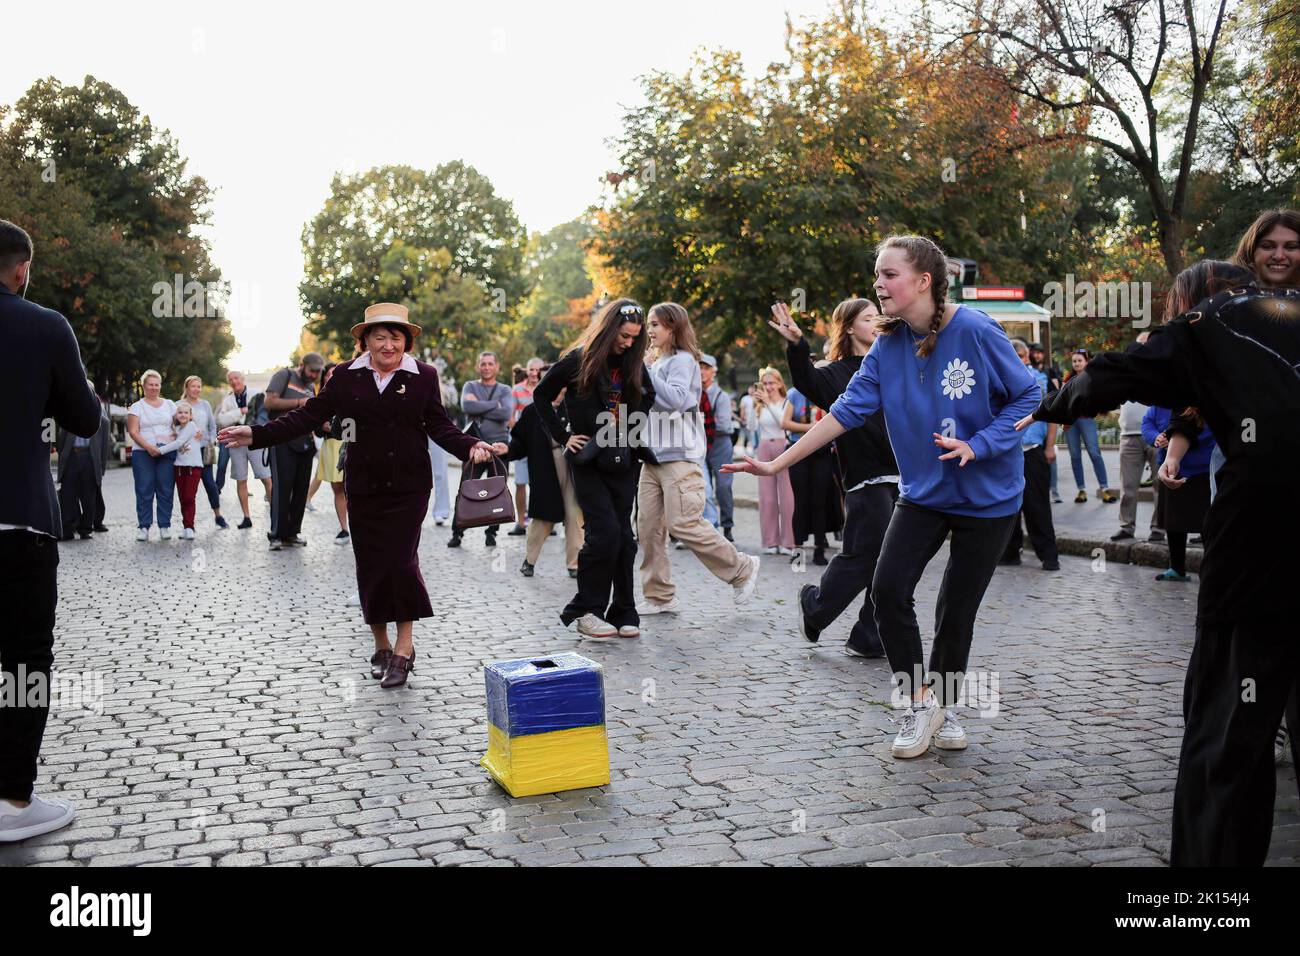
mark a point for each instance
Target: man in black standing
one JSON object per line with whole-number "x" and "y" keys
{"x": 291, "y": 461}
{"x": 43, "y": 386}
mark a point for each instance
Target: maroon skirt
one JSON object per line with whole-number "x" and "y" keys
{"x": 385, "y": 532}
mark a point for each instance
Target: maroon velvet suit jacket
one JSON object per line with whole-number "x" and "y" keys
{"x": 388, "y": 453}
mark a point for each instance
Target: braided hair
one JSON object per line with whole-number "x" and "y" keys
{"x": 924, "y": 255}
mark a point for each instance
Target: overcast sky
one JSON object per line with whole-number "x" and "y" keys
{"x": 267, "y": 100}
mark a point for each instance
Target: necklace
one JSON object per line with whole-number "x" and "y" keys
{"x": 915, "y": 342}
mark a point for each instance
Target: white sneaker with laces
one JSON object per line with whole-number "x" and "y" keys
{"x": 142, "y": 534}
{"x": 589, "y": 625}
{"x": 916, "y": 728}
{"x": 41, "y": 815}
{"x": 745, "y": 590}
{"x": 671, "y": 606}
{"x": 951, "y": 735}
{"x": 164, "y": 533}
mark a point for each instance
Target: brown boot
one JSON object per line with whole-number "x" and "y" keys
{"x": 379, "y": 663}
{"x": 398, "y": 668}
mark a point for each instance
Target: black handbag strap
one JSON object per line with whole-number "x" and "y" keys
{"x": 466, "y": 468}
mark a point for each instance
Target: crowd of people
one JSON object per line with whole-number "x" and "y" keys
{"x": 924, "y": 424}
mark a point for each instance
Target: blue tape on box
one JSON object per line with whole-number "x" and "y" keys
{"x": 544, "y": 694}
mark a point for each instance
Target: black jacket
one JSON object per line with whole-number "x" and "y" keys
{"x": 100, "y": 447}
{"x": 864, "y": 452}
{"x": 1236, "y": 358}
{"x": 584, "y": 410}
{"x": 529, "y": 440}
{"x": 45, "y": 385}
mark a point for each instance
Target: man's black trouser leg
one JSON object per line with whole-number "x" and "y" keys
{"x": 29, "y": 565}
{"x": 1037, "y": 507}
{"x": 1239, "y": 681}
{"x": 290, "y": 478}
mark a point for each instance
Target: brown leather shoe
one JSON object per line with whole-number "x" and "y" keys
{"x": 398, "y": 668}
{"x": 379, "y": 663}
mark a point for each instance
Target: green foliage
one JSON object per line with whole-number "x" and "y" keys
{"x": 556, "y": 263}
{"x": 441, "y": 243}
{"x": 111, "y": 212}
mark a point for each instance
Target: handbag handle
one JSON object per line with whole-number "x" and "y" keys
{"x": 466, "y": 467}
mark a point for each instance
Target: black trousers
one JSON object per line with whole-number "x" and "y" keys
{"x": 914, "y": 537}
{"x": 100, "y": 508}
{"x": 290, "y": 478}
{"x": 478, "y": 471}
{"x": 608, "y": 553}
{"x": 866, "y": 518}
{"x": 1037, "y": 509}
{"x": 29, "y": 566}
{"x": 1239, "y": 681}
{"x": 78, "y": 492}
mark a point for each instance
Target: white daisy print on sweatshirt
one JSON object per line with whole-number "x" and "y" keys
{"x": 958, "y": 379}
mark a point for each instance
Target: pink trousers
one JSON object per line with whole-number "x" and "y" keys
{"x": 775, "y": 500}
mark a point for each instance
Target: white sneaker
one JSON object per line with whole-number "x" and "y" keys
{"x": 142, "y": 534}
{"x": 355, "y": 600}
{"x": 42, "y": 815}
{"x": 591, "y": 626}
{"x": 745, "y": 590}
{"x": 671, "y": 606}
{"x": 916, "y": 728}
{"x": 188, "y": 534}
{"x": 951, "y": 736}
{"x": 788, "y": 552}
{"x": 771, "y": 550}
{"x": 310, "y": 506}
{"x": 629, "y": 630}
{"x": 164, "y": 534}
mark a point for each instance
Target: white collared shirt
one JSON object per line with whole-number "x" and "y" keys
{"x": 382, "y": 380}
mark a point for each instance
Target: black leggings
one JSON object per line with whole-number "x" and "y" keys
{"x": 914, "y": 536}
{"x": 1178, "y": 551}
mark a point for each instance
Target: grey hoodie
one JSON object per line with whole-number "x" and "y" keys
{"x": 676, "y": 428}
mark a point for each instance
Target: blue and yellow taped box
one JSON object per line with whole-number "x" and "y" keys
{"x": 546, "y": 724}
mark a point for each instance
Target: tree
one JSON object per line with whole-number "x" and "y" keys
{"x": 440, "y": 240}
{"x": 557, "y": 266}
{"x": 112, "y": 214}
{"x": 1103, "y": 67}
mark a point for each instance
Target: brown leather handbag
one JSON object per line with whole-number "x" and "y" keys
{"x": 485, "y": 501}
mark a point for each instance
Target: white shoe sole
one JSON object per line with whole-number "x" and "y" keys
{"x": 37, "y": 829}
{"x": 923, "y": 742}
{"x": 942, "y": 744}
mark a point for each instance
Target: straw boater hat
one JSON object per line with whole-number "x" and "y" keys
{"x": 386, "y": 313}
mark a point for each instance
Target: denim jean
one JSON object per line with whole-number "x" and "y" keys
{"x": 710, "y": 502}
{"x": 223, "y": 462}
{"x": 155, "y": 479}
{"x": 1217, "y": 460}
{"x": 720, "y": 492}
{"x": 442, "y": 483}
{"x": 1085, "y": 430}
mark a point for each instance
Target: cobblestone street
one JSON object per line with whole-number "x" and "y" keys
{"x": 236, "y": 723}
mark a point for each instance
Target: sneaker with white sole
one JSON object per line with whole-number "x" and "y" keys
{"x": 916, "y": 728}
{"x": 589, "y": 625}
{"x": 354, "y": 601}
{"x": 41, "y": 815}
{"x": 951, "y": 735}
{"x": 142, "y": 534}
{"x": 164, "y": 534}
{"x": 188, "y": 534}
{"x": 745, "y": 590}
{"x": 629, "y": 630}
{"x": 771, "y": 550}
{"x": 671, "y": 606}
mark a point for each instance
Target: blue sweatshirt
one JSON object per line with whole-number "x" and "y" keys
{"x": 975, "y": 388}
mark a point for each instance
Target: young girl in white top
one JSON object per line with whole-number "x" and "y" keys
{"x": 149, "y": 423}
{"x": 188, "y": 446}
{"x": 775, "y": 494}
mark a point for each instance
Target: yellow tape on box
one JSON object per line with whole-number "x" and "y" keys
{"x": 550, "y": 762}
